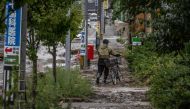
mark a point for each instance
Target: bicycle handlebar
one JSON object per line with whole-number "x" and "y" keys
{"x": 115, "y": 61}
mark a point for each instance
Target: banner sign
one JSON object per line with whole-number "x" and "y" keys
{"x": 12, "y": 36}
{"x": 83, "y": 46}
{"x": 83, "y": 41}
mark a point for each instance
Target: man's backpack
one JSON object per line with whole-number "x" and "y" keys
{"x": 104, "y": 52}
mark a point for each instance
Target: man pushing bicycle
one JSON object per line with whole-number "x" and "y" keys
{"x": 104, "y": 53}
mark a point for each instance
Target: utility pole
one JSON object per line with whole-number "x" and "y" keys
{"x": 99, "y": 15}
{"x": 22, "y": 79}
{"x": 86, "y": 35}
{"x": 101, "y": 18}
{"x": 68, "y": 45}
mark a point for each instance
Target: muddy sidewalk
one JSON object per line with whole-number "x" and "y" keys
{"x": 123, "y": 95}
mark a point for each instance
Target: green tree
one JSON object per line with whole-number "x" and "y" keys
{"x": 47, "y": 22}
{"x": 34, "y": 10}
{"x": 53, "y": 27}
{"x": 17, "y": 4}
{"x": 171, "y": 26}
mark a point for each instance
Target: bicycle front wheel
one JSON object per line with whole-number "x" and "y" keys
{"x": 113, "y": 76}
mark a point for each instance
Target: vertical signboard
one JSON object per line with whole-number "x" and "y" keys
{"x": 83, "y": 45}
{"x": 12, "y": 41}
{"x": 98, "y": 28}
{"x": 105, "y": 4}
{"x": 12, "y": 36}
{"x": 102, "y": 20}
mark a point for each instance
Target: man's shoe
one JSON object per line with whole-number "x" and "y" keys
{"x": 97, "y": 81}
{"x": 105, "y": 82}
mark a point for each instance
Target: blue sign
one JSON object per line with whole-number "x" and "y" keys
{"x": 12, "y": 35}
{"x": 13, "y": 23}
{"x": 82, "y": 52}
{"x": 82, "y": 37}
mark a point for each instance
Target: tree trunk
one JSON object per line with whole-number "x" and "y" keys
{"x": 54, "y": 62}
{"x": 33, "y": 57}
{"x": 34, "y": 83}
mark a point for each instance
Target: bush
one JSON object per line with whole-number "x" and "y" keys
{"x": 170, "y": 88}
{"x": 69, "y": 84}
{"x": 143, "y": 61}
{"x": 167, "y": 75}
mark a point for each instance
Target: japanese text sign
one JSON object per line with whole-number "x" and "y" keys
{"x": 12, "y": 35}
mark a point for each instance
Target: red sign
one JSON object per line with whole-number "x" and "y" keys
{"x": 8, "y": 50}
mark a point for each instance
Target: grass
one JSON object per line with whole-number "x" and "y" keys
{"x": 70, "y": 84}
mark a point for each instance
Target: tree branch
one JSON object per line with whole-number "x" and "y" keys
{"x": 50, "y": 51}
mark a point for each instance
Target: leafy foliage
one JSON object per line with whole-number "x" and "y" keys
{"x": 17, "y": 4}
{"x": 171, "y": 26}
{"x": 50, "y": 21}
{"x": 170, "y": 20}
{"x": 142, "y": 61}
{"x": 170, "y": 88}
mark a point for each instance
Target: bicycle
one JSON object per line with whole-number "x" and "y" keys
{"x": 114, "y": 70}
